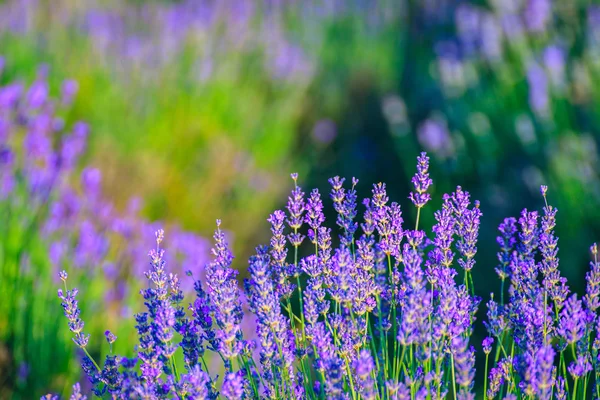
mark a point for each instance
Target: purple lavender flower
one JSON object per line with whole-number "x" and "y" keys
{"x": 63, "y": 276}
{"x": 276, "y": 345}
{"x": 279, "y": 253}
{"x": 342, "y": 275}
{"x": 323, "y": 243}
{"x": 496, "y": 319}
{"x": 469, "y": 222}
{"x": 548, "y": 245}
{"x": 327, "y": 362}
{"x": 233, "y": 387}
{"x": 421, "y": 182}
{"x": 110, "y": 337}
{"x": 165, "y": 321}
{"x": 561, "y": 393}
{"x": 296, "y": 209}
{"x": 344, "y": 203}
{"x": 368, "y": 226}
{"x": 487, "y": 344}
{"x": 397, "y": 390}
{"x": 278, "y": 250}
{"x": 312, "y": 305}
{"x": 75, "y": 394}
{"x": 314, "y": 211}
{"x": 194, "y": 384}
{"x": 161, "y": 312}
{"x": 442, "y": 256}
{"x": 110, "y": 375}
{"x": 528, "y": 236}
{"x": 464, "y": 364}
{"x": 388, "y": 221}
{"x": 544, "y": 372}
{"x": 592, "y": 297}
{"x": 495, "y": 380}
{"x": 72, "y": 312}
{"x": 414, "y": 326}
{"x": 572, "y": 320}
{"x": 580, "y": 367}
{"x": 363, "y": 367}
{"x": 223, "y": 294}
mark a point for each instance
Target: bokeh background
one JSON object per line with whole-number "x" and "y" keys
{"x": 198, "y": 110}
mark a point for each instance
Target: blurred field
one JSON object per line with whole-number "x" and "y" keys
{"x": 202, "y": 109}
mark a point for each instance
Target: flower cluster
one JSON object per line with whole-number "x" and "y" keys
{"x": 388, "y": 314}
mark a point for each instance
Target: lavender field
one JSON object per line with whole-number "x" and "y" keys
{"x": 437, "y": 151}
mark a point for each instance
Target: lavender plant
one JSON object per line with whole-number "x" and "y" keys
{"x": 387, "y": 314}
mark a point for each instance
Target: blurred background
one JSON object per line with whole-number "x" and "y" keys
{"x": 198, "y": 110}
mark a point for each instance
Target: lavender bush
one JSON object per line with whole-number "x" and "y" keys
{"x": 53, "y": 216}
{"x": 387, "y": 314}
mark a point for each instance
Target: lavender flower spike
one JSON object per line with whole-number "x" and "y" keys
{"x": 545, "y": 372}
{"x": 223, "y": 292}
{"x": 464, "y": 363}
{"x": 572, "y": 321}
{"x": 592, "y": 297}
{"x": 72, "y": 312}
{"x": 363, "y": 367}
{"x": 75, "y": 394}
{"x": 421, "y": 182}
{"x": 233, "y": 387}
{"x": 296, "y": 209}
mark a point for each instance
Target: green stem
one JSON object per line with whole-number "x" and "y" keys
{"x": 453, "y": 376}
{"x": 394, "y": 322}
{"x": 382, "y": 342}
{"x": 244, "y": 364}
{"x": 350, "y": 379}
{"x": 472, "y": 285}
{"x": 91, "y": 358}
{"x": 485, "y": 378}
{"x": 372, "y": 343}
{"x": 545, "y": 329}
{"x": 564, "y": 369}
{"x": 172, "y": 359}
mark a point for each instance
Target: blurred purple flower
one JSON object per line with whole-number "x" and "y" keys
{"x": 538, "y": 14}
{"x": 555, "y": 63}
{"x": 538, "y": 89}
{"x": 91, "y": 181}
{"x": 434, "y": 137}
{"x": 324, "y": 131}
{"x": 68, "y": 91}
